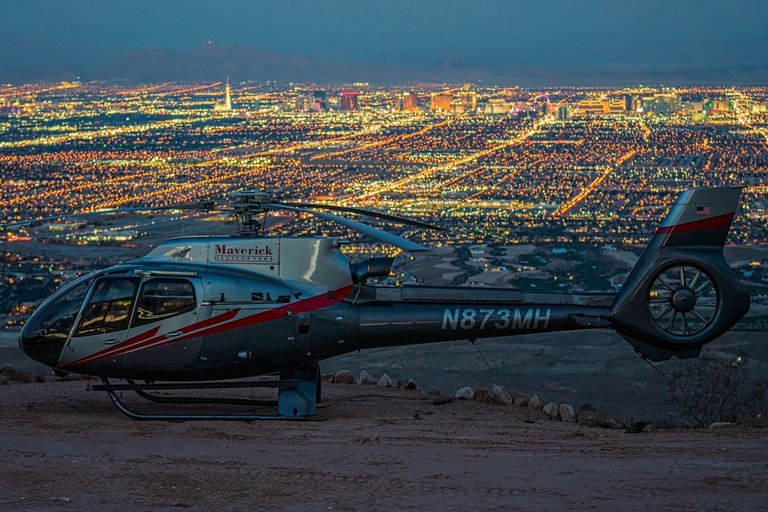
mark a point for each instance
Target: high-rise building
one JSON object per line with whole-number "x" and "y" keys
{"x": 410, "y": 101}
{"x": 227, "y": 103}
{"x": 457, "y": 107}
{"x": 228, "y": 95}
{"x": 349, "y": 101}
{"x": 563, "y": 112}
{"x": 407, "y": 102}
{"x": 497, "y": 106}
{"x": 630, "y": 102}
{"x": 440, "y": 101}
{"x": 614, "y": 106}
{"x": 315, "y": 102}
{"x": 319, "y": 101}
{"x": 662, "y": 104}
{"x": 590, "y": 107}
{"x": 468, "y": 99}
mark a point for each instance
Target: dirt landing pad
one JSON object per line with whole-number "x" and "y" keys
{"x": 65, "y": 448}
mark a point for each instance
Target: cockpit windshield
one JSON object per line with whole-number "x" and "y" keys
{"x": 48, "y": 329}
{"x": 109, "y": 306}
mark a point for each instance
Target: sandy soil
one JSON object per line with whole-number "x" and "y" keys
{"x": 63, "y": 447}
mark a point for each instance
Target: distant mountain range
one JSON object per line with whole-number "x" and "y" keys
{"x": 29, "y": 59}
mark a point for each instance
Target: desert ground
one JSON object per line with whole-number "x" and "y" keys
{"x": 64, "y": 447}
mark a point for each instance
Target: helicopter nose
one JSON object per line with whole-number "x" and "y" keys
{"x": 41, "y": 345}
{"x": 44, "y": 335}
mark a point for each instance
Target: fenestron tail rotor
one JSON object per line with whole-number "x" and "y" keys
{"x": 682, "y": 293}
{"x": 683, "y": 300}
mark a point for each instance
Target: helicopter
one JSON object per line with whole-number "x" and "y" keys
{"x": 202, "y": 312}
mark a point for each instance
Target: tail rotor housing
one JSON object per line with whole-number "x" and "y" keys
{"x": 682, "y": 293}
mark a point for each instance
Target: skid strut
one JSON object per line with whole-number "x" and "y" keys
{"x": 298, "y": 391}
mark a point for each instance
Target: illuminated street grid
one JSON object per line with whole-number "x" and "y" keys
{"x": 523, "y": 175}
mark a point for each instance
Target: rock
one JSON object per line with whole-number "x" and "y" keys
{"x": 500, "y": 395}
{"x": 586, "y": 415}
{"x": 721, "y": 424}
{"x": 534, "y": 402}
{"x": 344, "y": 377}
{"x": 521, "y": 402}
{"x": 17, "y": 375}
{"x": 616, "y": 425}
{"x": 566, "y": 413}
{"x": 385, "y": 381}
{"x": 551, "y": 410}
{"x": 366, "y": 379}
{"x": 482, "y": 395}
{"x": 638, "y": 427}
{"x": 406, "y": 383}
{"x": 464, "y": 394}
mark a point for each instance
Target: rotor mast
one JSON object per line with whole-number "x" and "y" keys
{"x": 248, "y": 206}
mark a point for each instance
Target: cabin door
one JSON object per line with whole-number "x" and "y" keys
{"x": 103, "y": 322}
{"x": 326, "y": 332}
{"x": 168, "y": 325}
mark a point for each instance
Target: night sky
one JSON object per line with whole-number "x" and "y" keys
{"x": 585, "y": 33}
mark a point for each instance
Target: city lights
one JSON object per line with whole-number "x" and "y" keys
{"x": 496, "y": 166}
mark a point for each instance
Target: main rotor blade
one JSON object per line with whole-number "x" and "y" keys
{"x": 378, "y": 234}
{"x": 369, "y": 213}
{"x": 181, "y": 206}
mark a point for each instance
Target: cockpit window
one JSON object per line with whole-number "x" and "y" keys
{"x": 56, "y": 320}
{"x": 109, "y": 306}
{"x": 163, "y": 298}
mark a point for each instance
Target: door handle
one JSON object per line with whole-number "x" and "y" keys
{"x": 111, "y": 342}
{"x": 173, "y": 334}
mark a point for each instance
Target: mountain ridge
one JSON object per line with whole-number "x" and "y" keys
{"x": 31, "y": 59}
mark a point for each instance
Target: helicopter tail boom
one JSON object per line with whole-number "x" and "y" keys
{"x": 682, "y": 293}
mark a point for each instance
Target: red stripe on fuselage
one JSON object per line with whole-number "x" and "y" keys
{"x": 697, "y": 225}
{"x": 134, "y": 344}
{"x": 147, "y": 338}
{"x": 189, "y": 331}
{"x": 114, "y": 350}
{"x": 302, "y": 306}
{"x": 229, "y": 315}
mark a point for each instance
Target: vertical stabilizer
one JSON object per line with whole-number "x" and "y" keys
{"x": 682, "y": 294}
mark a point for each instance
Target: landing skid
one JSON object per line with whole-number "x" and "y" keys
{"x": 298, "y": 393}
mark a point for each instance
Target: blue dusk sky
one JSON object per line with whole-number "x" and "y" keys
{"x": 584, "y": 33}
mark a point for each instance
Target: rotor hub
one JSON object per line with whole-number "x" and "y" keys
{"x": 683, "y": 300}
{"x": 247, "y": 207}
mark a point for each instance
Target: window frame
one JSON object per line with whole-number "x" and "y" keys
{"x": 87, "y": 302}
{"x": 136, "y": 321}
